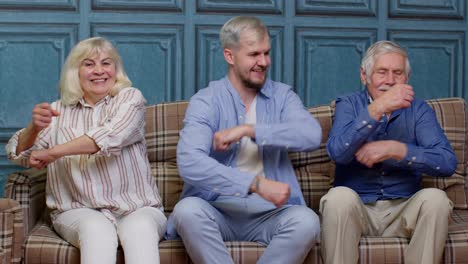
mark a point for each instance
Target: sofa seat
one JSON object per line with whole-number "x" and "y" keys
{"x": 43, "y": 245}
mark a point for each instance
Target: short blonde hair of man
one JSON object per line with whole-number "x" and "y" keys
{"x": 70, "y": 88}
{"x": 232, "y": 29}
{"x": 380, "y": 48}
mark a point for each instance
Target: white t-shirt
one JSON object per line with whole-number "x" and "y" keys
{"x": 248, "y": 158}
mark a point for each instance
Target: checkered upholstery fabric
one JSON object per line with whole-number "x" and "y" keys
{"x": 315, "y": 172}
{"x": 452, "y": 117}
{"x": 11, "y": 232}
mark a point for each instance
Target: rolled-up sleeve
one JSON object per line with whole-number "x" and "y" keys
{"x": 22, "y": 159}
{"x": 124, "y": 127}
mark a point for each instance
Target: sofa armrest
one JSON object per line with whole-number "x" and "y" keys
{"x": 28, "y": 189}
{"x": 11, "y": 231}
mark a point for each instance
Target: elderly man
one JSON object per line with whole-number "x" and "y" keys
{"x": 233, "y": 157}
{"x": 383, "y": 140}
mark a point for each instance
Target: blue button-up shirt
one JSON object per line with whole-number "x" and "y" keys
{"x": 428, "y": 152}
{"x": 283, "y": 125}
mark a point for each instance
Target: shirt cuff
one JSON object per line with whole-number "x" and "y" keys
{"x": 366, "y": 123}
{"x": 21, "y": 158}
{"x": 240, "y": 188}
{"x": 413, "y": 156}
{"x": 261, "y": 134}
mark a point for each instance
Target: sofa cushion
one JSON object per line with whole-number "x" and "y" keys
{"x": 169, "y": 183}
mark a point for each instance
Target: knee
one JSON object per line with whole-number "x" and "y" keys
{"x": 188, "y": 210}
{"x": 97, "y": 229}
{"x": 306, "y": 222}
{"x": 434, "y": 201}
{"x": 142, "y": 225}
{"x": 340, "y": 200}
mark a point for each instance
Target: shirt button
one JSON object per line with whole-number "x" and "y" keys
{"x": 437, "y": 168}
{"x": 237, "y": 194}
{"x": 215, "y": 189}
{"x": 381, "y": 190}
{"x": 369, "y": 126}
{"x": 413, "y": 158}
{"x": 263, "y": 142}
{"x": 347, "y": 144}
{"x": 409, "y": 163}
{"x": 364, "y": 122}
{"x": 240, "y": 117}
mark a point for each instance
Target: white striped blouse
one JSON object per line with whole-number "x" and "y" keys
{"x": 116, "y": 180}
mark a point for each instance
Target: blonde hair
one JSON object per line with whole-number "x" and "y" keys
{"x": 70, "y": 88}
{"x": 380, "y": 48}
{"x": 232, "y": 29}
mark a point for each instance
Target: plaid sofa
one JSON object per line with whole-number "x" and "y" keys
{"x": 27, "y": 234}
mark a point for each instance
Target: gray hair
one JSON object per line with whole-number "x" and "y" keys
{"x": 231, "y": 30}
{"x": 70, "y": 88}
{"x": 380, "y": 48}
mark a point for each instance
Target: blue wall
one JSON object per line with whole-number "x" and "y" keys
{"x": 170, "y": 47}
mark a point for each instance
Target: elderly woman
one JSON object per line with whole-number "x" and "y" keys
{"x": 99, "y": 184}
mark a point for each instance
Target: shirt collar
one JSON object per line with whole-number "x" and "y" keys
{"x": 104, "y": 100}
{"x": 266, "y": 89}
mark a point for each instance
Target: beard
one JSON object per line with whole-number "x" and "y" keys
{"x": 253, "y": 85}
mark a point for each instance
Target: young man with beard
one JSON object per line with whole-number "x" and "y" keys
{"x": 233, "y": 157}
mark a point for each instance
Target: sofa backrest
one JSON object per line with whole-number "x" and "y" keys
{"x": 163, "y": 124}
{"x": 452, "y": 117}
{"x": 314, "y": 170}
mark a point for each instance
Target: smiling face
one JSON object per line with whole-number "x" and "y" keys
{"x": 97, "y": 76}
{"x": 388, "y": 70}
{"x": 250, "y": 60}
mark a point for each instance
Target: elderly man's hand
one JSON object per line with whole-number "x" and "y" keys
{"x": 396, "y": 97}
{"x": 223, "y": 139}
{"x": 378, "y": 151}
{"x": 42, "y": 116}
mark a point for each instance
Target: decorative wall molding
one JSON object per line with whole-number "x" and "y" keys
{"x": 64, "y": 5}
{"x": 31, "y": 58}
{"x": 453, "y": 9}
{"x": 337, "y": 7}
{"x": 250, "y": 6}
{"x": 210, "y": 61}
{"x": 437, "y": 61}
{"x": 139, "y": 5}
{"x": 152, "y": 55}
{"x": 328, "y": 62}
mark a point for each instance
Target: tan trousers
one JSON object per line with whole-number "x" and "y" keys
{"x": 423, "y": 218}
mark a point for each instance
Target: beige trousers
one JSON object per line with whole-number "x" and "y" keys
{"x": 423, "y": 218}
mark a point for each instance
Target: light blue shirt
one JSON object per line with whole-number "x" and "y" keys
{"x": 283, "y": 125}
